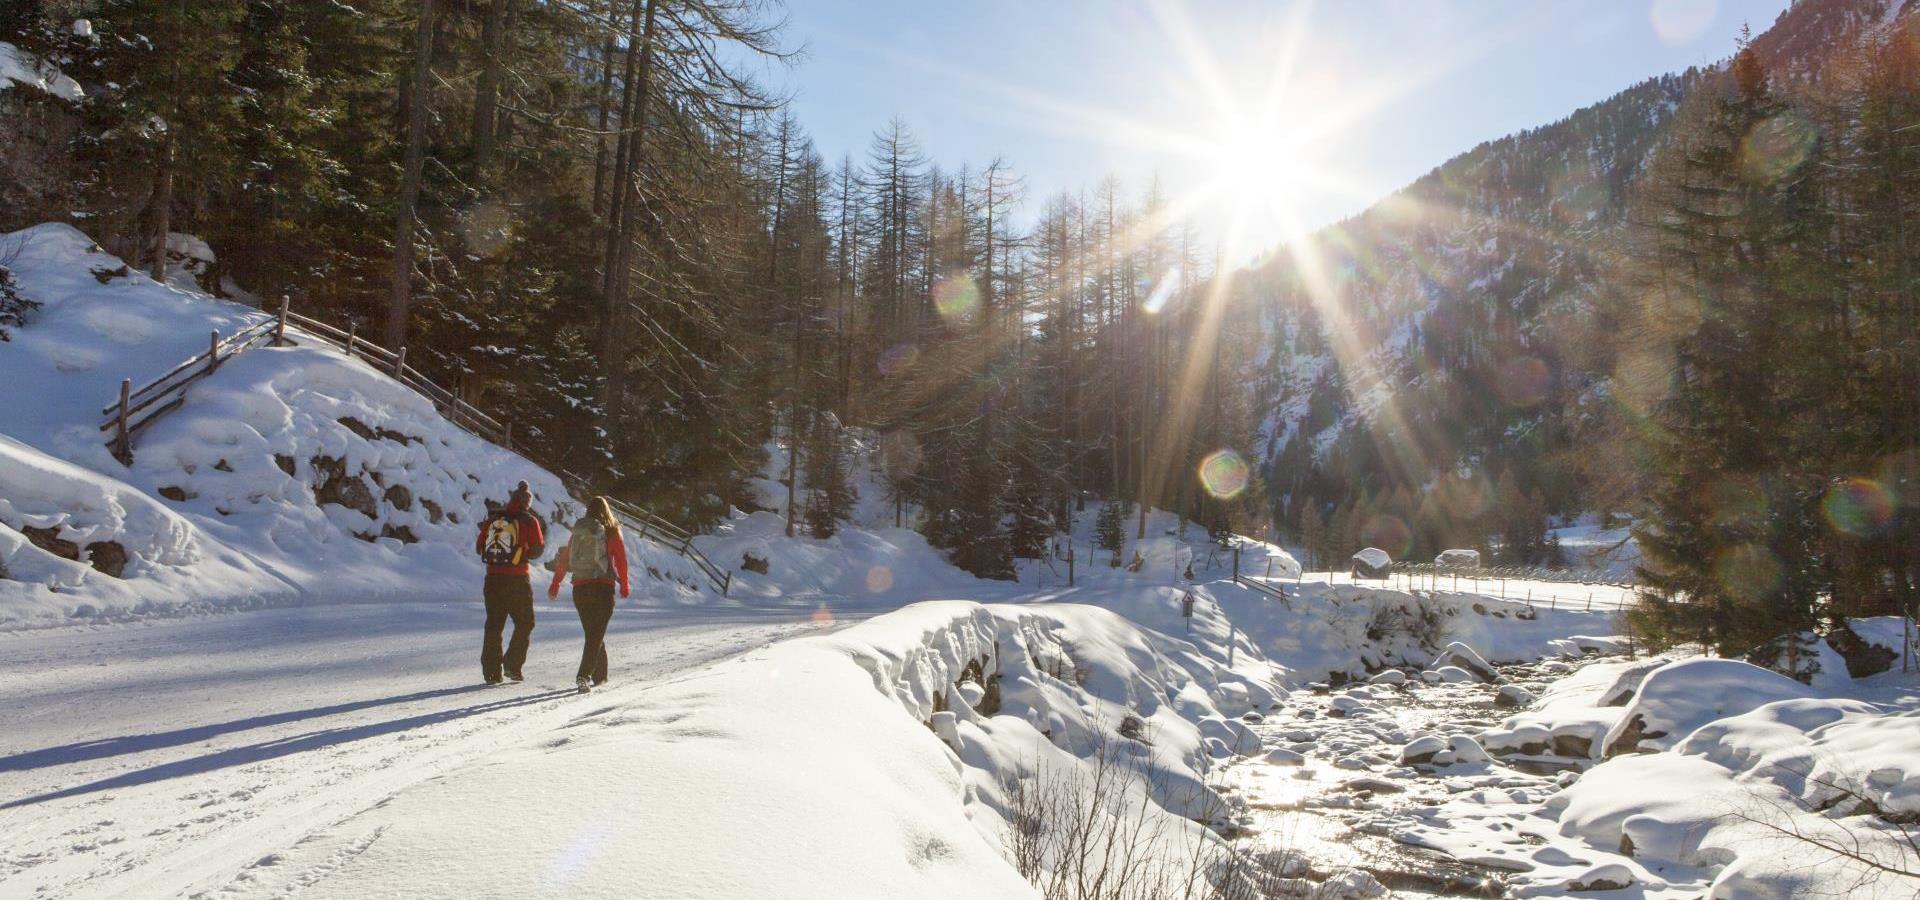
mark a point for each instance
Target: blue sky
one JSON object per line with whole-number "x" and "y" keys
{"x": 1374, "y": 93}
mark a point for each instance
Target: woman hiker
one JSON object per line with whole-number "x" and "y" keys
{"x": 597, "y": 557}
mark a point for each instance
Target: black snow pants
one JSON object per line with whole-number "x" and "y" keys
{"x": 508, "y": 597}
{"x": 595, "y": 604}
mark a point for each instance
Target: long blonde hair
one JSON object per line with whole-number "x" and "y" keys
{"x": 600, "y": 509}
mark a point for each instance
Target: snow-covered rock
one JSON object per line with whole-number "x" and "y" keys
{"x": 1512, "y": 696}
{"x": 1389, "y": 677}
{"x": 1422, "y": 749}
{"x": 1372, "y": 562}
{"x": 1460, "y": 656}
{"x": 1681, "y": 696}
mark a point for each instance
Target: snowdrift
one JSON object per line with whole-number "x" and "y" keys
{"x": 882, "y": 760}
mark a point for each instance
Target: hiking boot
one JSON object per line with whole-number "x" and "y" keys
{"x": 515, "y": 677}
{"x": 584, "y": 683}
{"x": 491, "y": 679}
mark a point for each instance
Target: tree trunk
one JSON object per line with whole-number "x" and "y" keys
{"x": 623, "y": 205}
{"x": 401, "y": 285}
{"x": 162, "y": 207}
{"x": 487, "y": 92}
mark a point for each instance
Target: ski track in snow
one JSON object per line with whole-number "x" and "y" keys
{"x": 161, "y": 759}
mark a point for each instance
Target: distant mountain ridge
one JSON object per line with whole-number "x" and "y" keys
{"x": 1450, "y": 335}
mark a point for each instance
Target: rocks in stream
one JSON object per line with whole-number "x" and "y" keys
{"x": 1603, "y": 877}
{"x": 1421, "y": 750}
{"x": 1280, "y": 756}
{"x": 1389, "y": 677}
{"x": 1512, "y": 696}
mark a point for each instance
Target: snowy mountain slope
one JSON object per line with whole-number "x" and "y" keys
{"x": 1454, "y": 327}
{"x": 291, "y": 475}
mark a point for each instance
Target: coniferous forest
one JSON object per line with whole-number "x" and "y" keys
{"x": 1693, "y": 304}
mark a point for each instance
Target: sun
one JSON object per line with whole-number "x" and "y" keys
{"x": 1258, "y": 170}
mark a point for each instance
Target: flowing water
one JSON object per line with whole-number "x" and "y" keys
{"x": 1330, "y": 806}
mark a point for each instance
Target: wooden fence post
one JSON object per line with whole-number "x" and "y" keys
{"x": 280, "y": 328}
{"x": 213, "y": 350}
{"x": 122, "y": 450}
{"x": 399, "y": 362}
{"x": 353, "y": 335}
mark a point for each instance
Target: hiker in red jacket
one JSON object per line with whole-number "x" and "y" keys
{"x": 509, "y": 539}
{"x": 597, "y": 557}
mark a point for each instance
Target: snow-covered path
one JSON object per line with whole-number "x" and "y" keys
{"x": 155, "y": 759}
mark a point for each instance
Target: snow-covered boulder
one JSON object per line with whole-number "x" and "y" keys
{"x": 1512, "y": 696}
{"x": 1458, "y": 559}
{"x": 1461, "y": 656}
{"x": 1232, "y": 733}
{"x": 1372, "y": 562}
{"x": 1388, "y": 677}
{"x": 1681, "y": 696}
{"x": 1421, "y": 749}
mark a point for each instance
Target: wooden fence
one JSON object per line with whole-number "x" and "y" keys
{"x": 140, "y": 407}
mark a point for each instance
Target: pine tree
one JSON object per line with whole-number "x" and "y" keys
{"x": 830, "y": 494}
{"x": 1109, "y": 530}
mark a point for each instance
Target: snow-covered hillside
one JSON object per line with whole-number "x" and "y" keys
{"x": 291, "y": 475}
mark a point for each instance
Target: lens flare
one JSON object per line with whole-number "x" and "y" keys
{"x": 898, "y": 358}
{"x": 1748, "y": 570}
{"x": 1681, "y": 21}
{"x": 1858, "y": 506}
{"x": 879, "y": 580}
{"x": 1776, "y": 147}
{"x": 956, "y": 298}
{"x": 1224, "y": 474}
{"x": 1899, "y": 476}
{"x": 822, "y": 616}
{"x": 1388, "y": 533}
{"x": 1162, "y": 293}
{"x": 1525, "y": 381}
{"x": 899, "y": 453}
{"x": 486, "y": 228}
{"x": 1737, "y": 501}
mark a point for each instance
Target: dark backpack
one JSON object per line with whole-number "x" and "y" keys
{"x": 500, "y": 540}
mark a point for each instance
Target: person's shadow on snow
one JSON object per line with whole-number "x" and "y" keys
{"x": 251, "y": 753}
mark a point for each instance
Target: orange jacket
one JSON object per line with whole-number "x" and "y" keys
{"x": 616, "y": 553}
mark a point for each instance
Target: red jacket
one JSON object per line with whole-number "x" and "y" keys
{"x": 616, "y": 553}
{"x": 530, "y": 537}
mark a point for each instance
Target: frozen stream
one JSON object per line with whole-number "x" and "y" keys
{"x": 1330, "y": 794}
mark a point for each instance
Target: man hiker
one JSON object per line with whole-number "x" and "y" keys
{"x": 509, "y": 539}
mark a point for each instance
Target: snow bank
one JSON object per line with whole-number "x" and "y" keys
{"x": 815, "y": 768}
{"x": 17, "y": 66}
{"x": 1766, "y": 798}
{"x": 1681, "y": 696}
